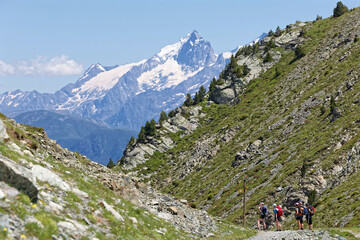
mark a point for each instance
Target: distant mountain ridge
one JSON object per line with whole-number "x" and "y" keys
{"x": 119, "y": 97}
{"x": 97, "y": 142}
{"x": 128, "y": 95}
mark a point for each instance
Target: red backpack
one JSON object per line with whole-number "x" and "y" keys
{"x": 279, "y": 211}
{"x": 313, "y": 210}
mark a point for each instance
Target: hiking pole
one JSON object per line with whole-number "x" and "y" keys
{"x": 244, "y": 201}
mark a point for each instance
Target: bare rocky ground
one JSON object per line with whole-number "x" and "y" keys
{"x": 295, "y": 235}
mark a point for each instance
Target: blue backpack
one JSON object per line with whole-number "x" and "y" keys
{"x": 264, "y": 211}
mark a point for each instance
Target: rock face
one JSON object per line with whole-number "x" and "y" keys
{"x": 250, "y": 152}
{"x": 228, "y": 91}
{"x": 232, "y": 86}
{"x": 185, "y": 120}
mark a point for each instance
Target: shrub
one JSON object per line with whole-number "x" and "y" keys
{"x": 299, "y": 52}
{"x": 268, "y": 58}
{"x": 340, "y": 9}
{"x": 322, "y": 110}
{"x": 193, "y": 205}
{"x": 132, "y": 141}
{"x": 312, "y": 197}
{"x": 332, "y": 105}
{"x": 171, "y": 113}
{"x": 163, "y": 117}
{"x": 111, "y": 164}
{"x": 188, "y": 101}
{"x": 277, "y": 32}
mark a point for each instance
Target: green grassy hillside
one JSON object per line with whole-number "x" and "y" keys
{"x": 298, "y": 125}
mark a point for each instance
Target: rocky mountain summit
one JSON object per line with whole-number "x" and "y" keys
{"x": 283, "y": 116}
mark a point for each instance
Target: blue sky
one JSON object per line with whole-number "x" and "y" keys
{"x": 45, "y": 44}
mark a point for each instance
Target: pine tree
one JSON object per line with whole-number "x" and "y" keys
{"x": 278, "y": 32}
{"x": 212, "y": 85}
{"x": 299, "y": 52}
{"x": 188, "y": 101}
{"x": 171, "y": 114}
{"x": 196, "y": 98}
{"x": 132, "y": 141}
{"x": 111, "y": 164}
{"x": 340, "y": 9}
{"x": 163, "y": 117}
{"x": 318, "y": 18}
{"x": 246, "y": 70}
{"x": 202, "y": 92}
{"x": 332, "y": 104}
{"x": 142, "y": 135}
{"x": 271, "y": 33}
{"x": 233, "y": 63}
{"x": 150, "y": 128}
{"x": 277, "y": 72}
{"x": 255, "y": 48}
{"x": 268, "y": 58}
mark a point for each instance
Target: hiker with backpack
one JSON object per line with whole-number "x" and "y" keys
{"x": 299, "y": 213}
{"x": 309, "y": 214}
{"x": 263, "y": 213}
{"x": 278, "y": 212}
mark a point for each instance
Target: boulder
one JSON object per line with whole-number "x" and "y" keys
{"x": 336, "y": 114}
{"x": 9, "y": 192}
{"x": 109, "y": 208}
{"x": 165, "y": 216}
{"x": 223, "y": 96}
{"x": 133, "y": 220}
{"x": 46, "y": 175}
{"x": 18, "y": 177}
{"x": 173, "y": 210}
{"x": 2, "y": 194}
{"x": 3, "y": 134}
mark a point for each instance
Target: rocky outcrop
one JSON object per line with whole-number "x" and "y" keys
{"x": 231, "y": 87}
{"x": 185, "y": 120}
{"x": 247, "y": 154}
{"x": 228, "y": 91}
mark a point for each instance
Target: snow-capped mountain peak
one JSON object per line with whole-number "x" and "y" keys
{"x": 176, "y": 63}
{"x": 172, "y": 50}
{"x": 128, "y": 95}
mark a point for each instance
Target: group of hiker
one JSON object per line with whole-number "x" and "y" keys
{"x": 300, "y": 211}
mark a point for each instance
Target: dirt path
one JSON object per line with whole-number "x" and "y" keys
{"x": 357, "y": 235}
{"x": 293, "y": 235}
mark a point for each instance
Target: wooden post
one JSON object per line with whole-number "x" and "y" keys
{"x": 244, "y": 201}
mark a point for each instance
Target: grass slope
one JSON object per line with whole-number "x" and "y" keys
{"x": 288, "y": 108}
